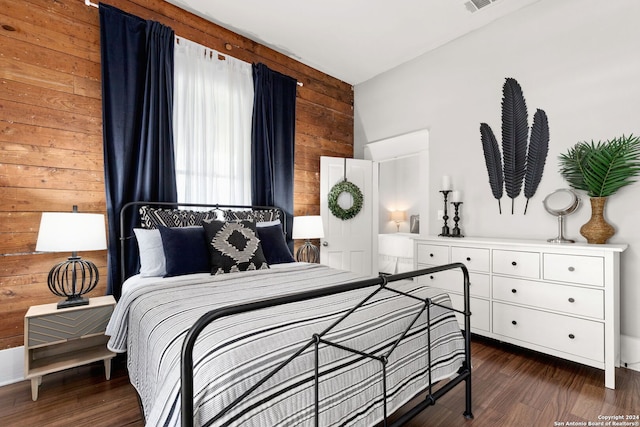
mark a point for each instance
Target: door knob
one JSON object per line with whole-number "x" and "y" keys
{"x": 325, "y": 243}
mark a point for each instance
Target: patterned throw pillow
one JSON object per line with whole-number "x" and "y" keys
{"x": 258, "y": 215}
{"x": 234, "y": 246}
{"x": 151, "y": 217}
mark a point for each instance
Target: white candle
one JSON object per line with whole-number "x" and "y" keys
{"x": 455, "y": 196}
{"x": 446, "y": 183}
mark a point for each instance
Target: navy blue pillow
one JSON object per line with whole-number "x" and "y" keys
{"x": 274, "y": 245}
{"x": 185, "y": 250}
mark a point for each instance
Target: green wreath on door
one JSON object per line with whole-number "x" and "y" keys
{"x": 351, "y": 189}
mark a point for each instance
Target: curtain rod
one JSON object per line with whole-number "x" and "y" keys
{"x": 89, "y": 3}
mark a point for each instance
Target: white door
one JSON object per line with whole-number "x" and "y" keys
{"x": 350, "y": 244}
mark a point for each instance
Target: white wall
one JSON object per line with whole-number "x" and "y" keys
{"x": 399, "y": 189}
{"x": 12, "y": 362}
{"x": 579, "y": 60}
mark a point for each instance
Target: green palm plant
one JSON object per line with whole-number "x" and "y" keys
{"x": 602, "y": 168}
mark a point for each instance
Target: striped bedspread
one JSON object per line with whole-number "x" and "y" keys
{"x": 153, "y": 315}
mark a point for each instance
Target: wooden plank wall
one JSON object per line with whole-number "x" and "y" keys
{"x": 51, "y": 129}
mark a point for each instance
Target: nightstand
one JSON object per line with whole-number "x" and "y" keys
{"x": 57, "y": 339}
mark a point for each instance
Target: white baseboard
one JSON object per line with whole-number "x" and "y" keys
{"x": 12, "y": 362}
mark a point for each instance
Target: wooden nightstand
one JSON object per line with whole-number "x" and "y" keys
{"x": 57, "y": 339}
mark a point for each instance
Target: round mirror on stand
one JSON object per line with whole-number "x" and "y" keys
{"x": 560, "y": 203}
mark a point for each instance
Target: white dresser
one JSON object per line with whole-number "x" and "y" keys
{"x": 559, "y": 299}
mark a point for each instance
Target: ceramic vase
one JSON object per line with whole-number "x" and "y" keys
{"x": 597, "y": 230}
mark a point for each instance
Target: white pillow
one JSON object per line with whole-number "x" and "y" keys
{"x": 152, "y": 260}
{"x": 268, "y": 223}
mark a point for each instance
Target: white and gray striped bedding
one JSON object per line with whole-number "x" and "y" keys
{"x": 152, "y": 317}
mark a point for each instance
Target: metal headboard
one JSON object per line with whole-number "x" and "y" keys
{"x": 126, "y": 232}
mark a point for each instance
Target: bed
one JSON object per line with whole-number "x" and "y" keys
{"x": 288, "y": 344}
{"x": 395, "y": 252}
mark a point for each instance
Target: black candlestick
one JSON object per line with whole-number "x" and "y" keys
{"x": 456, "y": 218}
{"x": 445, "y": 217}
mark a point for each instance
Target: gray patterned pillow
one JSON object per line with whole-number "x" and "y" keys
{"x": 259, "y": 215}
{"x": 151, "y": 217}
{"x": 234, "y": 246}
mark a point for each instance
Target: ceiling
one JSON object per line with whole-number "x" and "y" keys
{"x": 352, "y": 40}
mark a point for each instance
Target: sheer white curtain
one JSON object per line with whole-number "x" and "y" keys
{"x": 212, "y": 109}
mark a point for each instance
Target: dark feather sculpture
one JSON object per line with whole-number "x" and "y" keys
{"x": 493, "y": 160}
{"x": 537, "y": 154}
{"x": 515, "y": 133}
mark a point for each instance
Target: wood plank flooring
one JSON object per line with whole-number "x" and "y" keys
{"x": 511, "y": 387}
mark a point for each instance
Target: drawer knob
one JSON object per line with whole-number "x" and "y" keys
{"x": 431, "y": 277}
{"x": 514, "y": 263}
{"x": 468, "y": 258}
{"x": 571, "y": 336}
{"x": 513, "y": 322}
{"x": 431, "y": 255}
{"x": 572, "y": 269}
{"x": 572, "y": 300}
{"x": 513, "y": 291}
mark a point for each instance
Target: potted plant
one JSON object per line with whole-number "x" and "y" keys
{"x": 601, "y": 169}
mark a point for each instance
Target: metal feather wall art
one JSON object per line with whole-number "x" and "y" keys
{"x": 537, "y": 155}
{"x": 522, "y": 159}
{"x": 493, "y": 160}
{"x": 515, "y": 132}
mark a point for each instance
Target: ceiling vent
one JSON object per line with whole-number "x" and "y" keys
{"x": 475, "y": 5}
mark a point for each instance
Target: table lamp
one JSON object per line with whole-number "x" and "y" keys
{"x": 398, "y": 217}
{"x": 72, "y": 232}
{"x": 308, "y": 227}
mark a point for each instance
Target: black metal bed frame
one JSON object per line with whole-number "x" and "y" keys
{"x": 380, "y": 283}
{"x": 377, "y": 283}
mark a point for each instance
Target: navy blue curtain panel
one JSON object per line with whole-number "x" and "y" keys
{"x": 137, "y": 115}
{"x": 273, "y": 141}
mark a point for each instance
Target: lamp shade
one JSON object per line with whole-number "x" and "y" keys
{"x": 398, "y": 216}
{"x": 71, "y": 232}
{"x": 308, "y": 227}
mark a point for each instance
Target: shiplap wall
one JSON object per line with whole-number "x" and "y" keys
{"x": 51, "y": 129}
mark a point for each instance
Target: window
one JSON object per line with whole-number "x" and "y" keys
{"x": 212, "y": 111}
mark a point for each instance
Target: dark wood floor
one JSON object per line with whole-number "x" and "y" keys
{"x": 512, "y": 387}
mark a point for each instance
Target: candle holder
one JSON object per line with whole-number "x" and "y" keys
{"x": 445, "y": 217}
{"x": 456, "y": 219}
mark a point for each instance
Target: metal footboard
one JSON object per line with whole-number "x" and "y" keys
{"x": 377, "y": 284}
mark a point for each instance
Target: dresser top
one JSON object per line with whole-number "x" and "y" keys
{"x": 524, "y": 243}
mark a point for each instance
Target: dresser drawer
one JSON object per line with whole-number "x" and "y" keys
{"x": 67, "y": 325}
{"x": 583, "y": 338}
{"x": 453, "y": 281}
{"x": 479, "y": 284}
{"x": 587, "y": 270}
{"x": 551, "y": 296}
{"x": 433, "y": 254}
{"x": 517, "y": 263}
{"x": 473, "y": 258}
{"x": 480, "y": 314}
